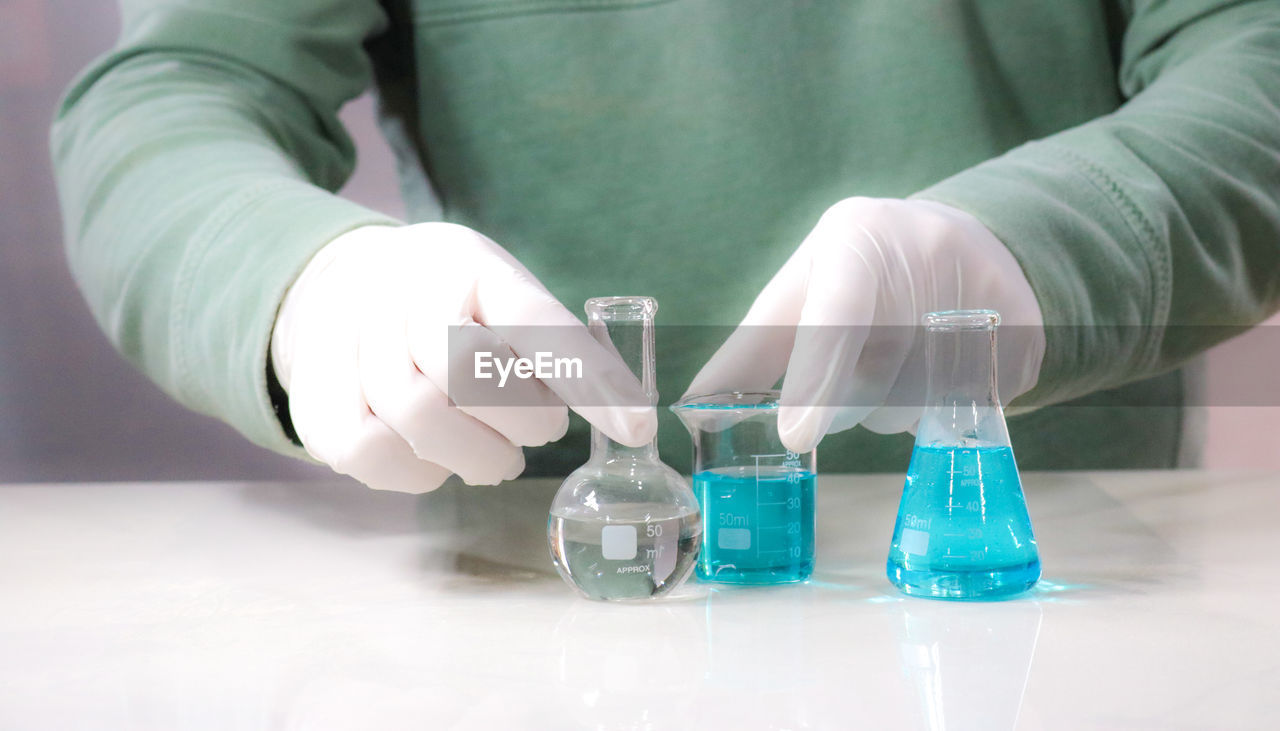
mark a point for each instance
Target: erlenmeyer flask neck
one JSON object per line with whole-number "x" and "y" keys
{"x": 962, "y": 403}
{"x": 960, "y": 357}
{"x": 625, "y": 326}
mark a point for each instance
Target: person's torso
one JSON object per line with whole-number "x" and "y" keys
{"x": 683, "y": 148}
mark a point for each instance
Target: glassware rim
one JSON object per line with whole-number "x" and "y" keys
{"x": 958, "y": 320}
{"x": 730, "y": 401}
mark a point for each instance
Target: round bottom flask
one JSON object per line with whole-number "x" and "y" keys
{"x": 624, "y": 525}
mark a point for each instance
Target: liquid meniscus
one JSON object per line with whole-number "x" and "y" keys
{"x": 643, "y": 550}
{"x": 963, "y": 531}
{"x": 759, "y": 524}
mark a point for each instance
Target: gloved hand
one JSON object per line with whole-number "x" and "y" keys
{"x": 361, "y": 346}
{"x": 840, "y": 318}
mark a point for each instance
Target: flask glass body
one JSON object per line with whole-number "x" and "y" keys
{"x": 963, "y": 530}
{"x": 756, "y": 496}
{"x": 624, "y": 525}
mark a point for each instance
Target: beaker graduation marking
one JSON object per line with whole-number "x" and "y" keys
{"x": 756, "y": 496}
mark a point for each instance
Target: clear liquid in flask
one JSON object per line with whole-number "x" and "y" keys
{"x": 637, "y": 554}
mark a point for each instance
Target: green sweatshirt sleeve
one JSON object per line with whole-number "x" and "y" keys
{"x": 1150, "y": 233}
{"x": 195, "y": 165}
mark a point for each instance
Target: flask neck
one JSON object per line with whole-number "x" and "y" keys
{"x": 604, "y": 449}
{"x": 625, "y": 326}
{"x": 961, "y": 365}
{"x": 962, "y": 403}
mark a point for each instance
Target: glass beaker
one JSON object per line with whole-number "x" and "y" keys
{"x": 963, "y": 531}
{"x": 624, "y": 525}
{"x": 756, "y": 495}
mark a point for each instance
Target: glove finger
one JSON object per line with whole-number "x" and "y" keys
{"x": 412, "y": 406}
{"x": 524, "y": 410}
{"x": 519, "y": 310}
{"x": 891, "y": 419}
{"x": 333, "y": 421}
{"x": 835, "y": 324}
{"x": 905, "y": 402}
{"x": 869, "y": 388}
{"x": 381, "y": 459}
{"x": 755, "y": 354}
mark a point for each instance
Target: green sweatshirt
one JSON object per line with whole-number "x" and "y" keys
{"x": 1128, "y": 153}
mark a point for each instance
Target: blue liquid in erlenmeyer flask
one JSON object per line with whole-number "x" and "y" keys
{"x": 963, "y": 531}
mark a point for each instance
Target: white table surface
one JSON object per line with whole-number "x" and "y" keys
{"x": 233, "y": 605}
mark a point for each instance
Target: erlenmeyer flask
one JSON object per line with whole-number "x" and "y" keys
{"x": 963, "y": 531}
{"x": 624, "y": 525}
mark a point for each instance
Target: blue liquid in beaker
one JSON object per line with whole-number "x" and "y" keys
{"x": 759, "y": 524}
{"x": 963, "y": 531}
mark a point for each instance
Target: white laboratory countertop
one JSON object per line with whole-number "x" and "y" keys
{"x": 264, "y": 605}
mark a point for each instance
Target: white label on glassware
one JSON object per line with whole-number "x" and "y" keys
{"x": 914, "y": 542}
{"x": 618, "y": 542}
{"x": 734, "y": 539}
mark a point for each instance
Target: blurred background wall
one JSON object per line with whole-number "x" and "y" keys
{"x": 72, "y": 409}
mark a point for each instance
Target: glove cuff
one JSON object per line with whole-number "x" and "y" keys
{"x": 281, "y": 353}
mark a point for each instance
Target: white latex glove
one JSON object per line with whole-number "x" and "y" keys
{"x": 361, "y": 345}
{"x": 871, "y": 263}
